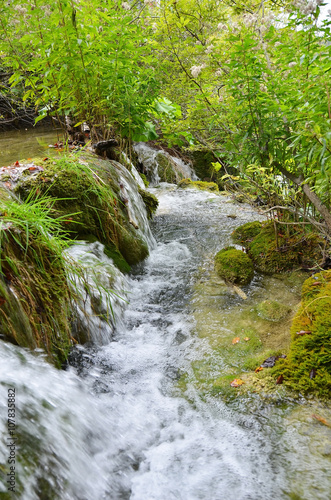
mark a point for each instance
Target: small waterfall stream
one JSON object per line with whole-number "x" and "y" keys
{"x": 117, "y": 426}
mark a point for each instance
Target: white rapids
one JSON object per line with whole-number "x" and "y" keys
{"x": 115, "y": 425}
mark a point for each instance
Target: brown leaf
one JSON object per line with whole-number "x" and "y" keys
{"x": 279, "y": 380}
{"x": 32, "y": 168}
{"x": 237, "y": 382}
{"x": 17, "y": 163}
{"x": 236, "y": 340}
{"x": 2, "y": 301}
{"x": 258, "y": 369}
{"x": 322, "y": 420}
{"x": 316, "y": 283}
{"x": 246, "y": 339}
{"x": 304, "y": 332}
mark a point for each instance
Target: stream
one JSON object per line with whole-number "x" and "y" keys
{"x": 118, "y": 425}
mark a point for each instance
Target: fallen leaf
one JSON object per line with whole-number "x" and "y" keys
{"x": 237, "y": 382}
{"x": 322, "y": 420}
{"x": 44, "y": 159}
{"x": 8, "y": 185}
{"x": 236, "y": 340}
{"x": 246, "y": 339}
{"x": 280, "y": 380}
{"x": 29, "y": 158}
{"x": 258, "y": 369}
{"x": 32, "y": 168}
{"x": 17, "y": 164}
{"x": 2, "y": 301}
{"x": 304, "y": 332}
{"x": 316, "y": 283}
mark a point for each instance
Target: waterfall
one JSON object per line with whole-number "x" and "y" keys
{"x": 156, "y": 161}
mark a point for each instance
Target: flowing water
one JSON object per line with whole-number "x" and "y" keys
{"x": 117, "y": 425}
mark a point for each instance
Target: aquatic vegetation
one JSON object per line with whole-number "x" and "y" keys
{"x": 151, "y": 202}
{"x": 234, "y": 266}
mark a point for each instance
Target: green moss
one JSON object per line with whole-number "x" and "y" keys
{"x": 272, "y": 310}
{"x": 145, "y": 181}
{"x": 243, "y": 235}
{"x": 234, "y": 266}
{"x": 287, "y": 253}
{"x": 112, "y": 252}
{"x": 308, "y": 365}
{"x": 205, "y": 186}
{"x": 151, "y": 202}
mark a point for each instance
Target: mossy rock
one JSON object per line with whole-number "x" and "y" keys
{"x": 307, "y": 368}
{"x": 234, "y": 266}
{"x": 87, "y": 192}
{"x": 151, "y": 202}
{"x": 272, "y": 310}
{"x": 204, "y": 186}
{"x": 243, "y": 235}
{"x": 296, "y": 250}
{"x": 144, "y": 179}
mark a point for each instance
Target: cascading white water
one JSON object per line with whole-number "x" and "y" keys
{"x": 150, "y": 158}
{"x": 117, "y": 426}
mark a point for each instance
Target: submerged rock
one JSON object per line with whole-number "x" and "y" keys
{"x": 234, "y": 266}
{"x": 272, "y": 310}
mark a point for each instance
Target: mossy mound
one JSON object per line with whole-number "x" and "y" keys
{"x": 243, "y": 235}
{"x": 151, "y": 202}
{"x": 308, "y": 365}
{"x": 206, "y": 186}
{"x": 234, "y": 266}
{"x": 87, "y": 191}
{"x": 271, "y": 310}
{"x": 288, "y": 252}
{"x": 166, "y": 168}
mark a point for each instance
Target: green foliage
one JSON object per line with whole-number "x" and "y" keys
{"x": 84, "y": 58}
{"x": 234, "y": 266}
{"x": 308, "y": 365}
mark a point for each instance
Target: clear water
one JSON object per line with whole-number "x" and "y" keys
{"x": 23, "y": 144}
{"x": 116, "y": 426}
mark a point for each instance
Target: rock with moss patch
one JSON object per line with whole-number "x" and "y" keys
{"x": 271, "y": 310}
{"x": 205, "y": 186}
{"x": 234, "y": 266}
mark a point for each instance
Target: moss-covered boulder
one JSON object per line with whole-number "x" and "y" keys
{"x": 308, "y": 365}
{"x": 88, "y": 193}
{"x": 234, "y": 266}
{"x": 273, "y": 250}
{"x": 243, "y": 235}
{"x": 271, "y": 310}
{"x": 205, "y": 186}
